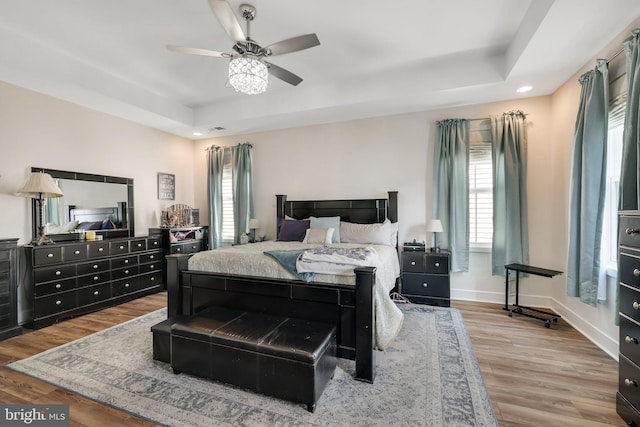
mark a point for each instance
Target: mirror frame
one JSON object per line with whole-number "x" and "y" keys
{"x": 79, "y": 176}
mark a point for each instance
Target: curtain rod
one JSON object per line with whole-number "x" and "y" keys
{"x": 615, "y": 55}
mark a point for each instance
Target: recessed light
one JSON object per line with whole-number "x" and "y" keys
{"x": 524, "y": 89}
{"x": 198, "y": 134}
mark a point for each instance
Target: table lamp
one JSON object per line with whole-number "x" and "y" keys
{"x": 254, "y": 224}
{"x": 39, "y": 186}
{"x": 434, "y": 226}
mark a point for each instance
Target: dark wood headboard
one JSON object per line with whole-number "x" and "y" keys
{"x": 116, "y": 214}
{"x": 363, "y": 211}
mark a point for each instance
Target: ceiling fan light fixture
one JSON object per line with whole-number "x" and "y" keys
{"x": 248, "y": 75}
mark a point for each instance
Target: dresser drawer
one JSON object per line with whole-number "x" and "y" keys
{"x": 436, "y": 264}
{"x": 75, "y": 252}
{"x": 154, "y": 242}
{"x": 630, "y": 231}
{"x": 54, "y": 273}
{"x": 151, "y": 280}
{"x": 630, "y": 302}
{"x": 125, "y": 272}
{"x": 98, "y": 249}
{"x": 151, "y": 266}
{"x": 629, "y": 269}
{"x": 54, "y": 287}
{"x": 45, "y": 306}
{"x": 93, "y": 294}
{"x": 119, "y": 248}
{"x": 413, "y": 262}
{"x": 48, "y": 255}
{"x": 629, "y": 338}
{"x": 124, "y": 262}
{"x": 425, "y": 285}
{"x": 192, "y": 247}
{"x": 93, "y": 279}
{"x": 151, "y": 257}
{"x": 138, "y": 245}
{"x": 93, "y": 267}
{"x": 629, "y": 381}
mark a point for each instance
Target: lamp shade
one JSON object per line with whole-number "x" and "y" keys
{"x": 40, "y": 184}
{"x": 435, "y": 226}
{"x": 253, "y": 224}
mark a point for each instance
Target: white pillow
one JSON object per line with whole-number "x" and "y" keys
{"x": 328, "y": 222}
{"x": 318, "y": 235}
{"x": 385, "y": 233}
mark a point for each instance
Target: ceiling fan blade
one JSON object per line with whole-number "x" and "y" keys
{"x": 282, "y": 74}
{"x": 293, "y": 44}
{"x": 227, "y": 19}
{"x": 196, "y": 51}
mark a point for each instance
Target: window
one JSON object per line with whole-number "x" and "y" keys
{"x": 480, "y": 187}
{"x": 228, "y": 228}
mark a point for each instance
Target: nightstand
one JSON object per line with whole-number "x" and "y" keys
{"x": 425, "y": 277}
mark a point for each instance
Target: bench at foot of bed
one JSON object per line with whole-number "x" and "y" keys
{"x": 283, "y": 357}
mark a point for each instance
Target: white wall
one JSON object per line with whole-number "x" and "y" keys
{"x": 37, "y": 130}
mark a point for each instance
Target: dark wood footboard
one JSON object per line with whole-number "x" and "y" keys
{"x": 349, "y": 308}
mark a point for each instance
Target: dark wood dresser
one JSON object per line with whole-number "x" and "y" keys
{"x": 8, "y": 289}
{"x": 628, "y": 396}
{"x": 70, "y": 279}
{"x": 181, "y": 240}
{"x": 425, "y": 277}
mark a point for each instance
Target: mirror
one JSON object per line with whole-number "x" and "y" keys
{"x": 88, "y": 201}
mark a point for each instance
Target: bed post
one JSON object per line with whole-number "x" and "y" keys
{"x": 365, "y": 326}
{"x": 392, "y": 213}
{"x": 281, "y": 200}
{"x": 175, "y": 264}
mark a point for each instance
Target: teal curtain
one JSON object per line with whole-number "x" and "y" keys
{"x": 588, "y": 185}
{"x": 242, "y": 188}
{"x": 629, "y": 176}
{"x": 215, "y": 161}
{"x": 510, "y": 220}
{"x": 451, "y": 189}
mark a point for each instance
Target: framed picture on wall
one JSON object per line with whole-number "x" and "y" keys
{"x": 166, "y": 186}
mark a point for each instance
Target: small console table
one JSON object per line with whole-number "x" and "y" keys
{"x": 520, "y": 309}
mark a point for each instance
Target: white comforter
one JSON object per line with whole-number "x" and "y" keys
{"x": 250, "y": 260}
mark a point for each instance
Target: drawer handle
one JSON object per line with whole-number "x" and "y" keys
{"x": 635, "y": 305}
{"x": 95, "y": 278}
{"x": 636, "y": 272}
{"x": 139, "y": 245}
{"x": 49, "y": 255}
{"x": 630, "y": 340}
{"x": 151, "y": 257}
{"x": 126, "y": 272}
{"x": 121, "y": 247}
{"x": 96, "y": 292}
{"x": 153, "y": 279}
{"x": 58, "y": 302}
{"x": 413, "y": 263}
{"x": 178, "y": 249}
{"x": 155, "y": 243}
{"x": 630, "y": 383}
{"x": 437, "y": 264}
{"x": 632, "y": 231}
{"x": 425, "y": 285}
{"x": 58, "y": 273}
{"x": 76, "y": 252}
{"x": 95, "y": 266}
{"x": 126, "y": 285}
{"x": 100, "y": 249}
{"x": 151, "y": 266}
{"x": 193, "y": 247}
{"x": 58, "y": 285}
{"x": 126, "y": 261}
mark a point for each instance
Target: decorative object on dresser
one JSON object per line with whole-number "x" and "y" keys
{"x": 425, "y": 277}
{"x": 177, "y": 216}
{"x": 628, "y": 396}
{"x": 70, "y": 279}
{"x": 39, "y": 186}
{"x": 435, "y": 226}
{"x": 8, "y": 289}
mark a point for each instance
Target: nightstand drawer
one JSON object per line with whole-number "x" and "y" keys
{"x": 436, "y": 264}
{"x": 413, "y": 262}
{"x": 425, "y": 285}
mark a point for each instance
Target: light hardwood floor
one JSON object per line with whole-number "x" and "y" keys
{"x": 535, "y": 376}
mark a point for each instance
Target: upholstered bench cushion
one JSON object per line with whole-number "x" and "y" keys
{"x": 298, "y": 339}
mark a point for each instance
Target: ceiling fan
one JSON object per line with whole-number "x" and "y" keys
{"x": 248, "y": 69}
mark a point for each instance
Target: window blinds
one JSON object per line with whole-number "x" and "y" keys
{"x": 480, "y": 185}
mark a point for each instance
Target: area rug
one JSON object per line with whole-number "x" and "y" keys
{"x": 428, "y": 376}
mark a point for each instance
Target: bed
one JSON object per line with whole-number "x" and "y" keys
{"x": 355, "y": 305}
